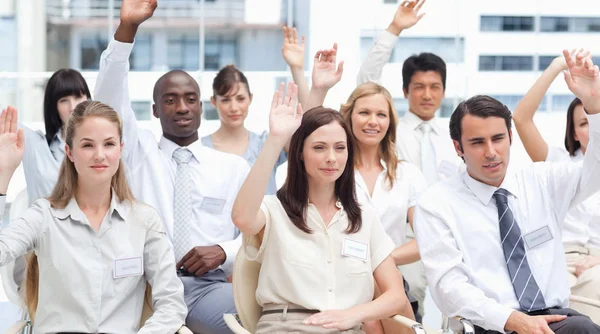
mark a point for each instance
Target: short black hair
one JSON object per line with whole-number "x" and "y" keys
{"x": 158, "y": 85}
{"x": 481, "y": 106}
{"x": 64, "y": 82}
{"x": 423, "y": 62}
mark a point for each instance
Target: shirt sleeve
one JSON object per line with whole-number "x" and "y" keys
{"x": 379, "y": 55}
{"x": 22, "y": 234}
{"x": 381, "y": 245}
{"x": 112, "y": 88}
{"x": 170, "y": 309}
{"x": 569, "y": 184}
{"x": 557, "y": 154}
{"x": 417, "y": 183}
{"x": 448, "y": 277}
{"x": 255, "y": 249}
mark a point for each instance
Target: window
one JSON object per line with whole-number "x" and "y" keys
{"x": 209, "y": 112}
{"x": 570, "y": 24}
{"x": 560, "y": 103}
{"x": 544, "y": 62}
{"x": 510, "y": 101}
{"x": 390, "y": 1}
{"x": 505, "y": 63}
{"x": 184, "y": 52}
{"x": 449, "y": 49}
{"x": 446, "y": 109}
{"x": 8, "y": 44}
{"x": 506, "y": 23}
{"x": 92, "y": 46}
{"x": 141, "y": 55}
{"x": 219, "y": 52}
{"x": 142, "y": 110}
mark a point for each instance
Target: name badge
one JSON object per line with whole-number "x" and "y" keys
{"x": 212, "y": 204}
{"x": 356, "y": 249}
{"x": 128, "y": 267}
{"x": 447, "y": 168}
{"x": 538, "y": 237}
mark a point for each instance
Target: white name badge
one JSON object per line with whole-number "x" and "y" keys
{"x": 538, "y": 237}
{"x": 212, "y": 204}
{"x": 133, "y": 266}
{"x": 355, "y": 249}
{"x": 447, "y": 168}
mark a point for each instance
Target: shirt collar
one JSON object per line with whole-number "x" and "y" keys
{"x": 72, "y": 209}
{"x": 168, "y": 147}
{"x": 485, "y": 192}
{"x": 413, "y": 121}
{"x": 58, "y": 141}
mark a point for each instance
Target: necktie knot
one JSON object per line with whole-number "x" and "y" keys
{"x": 182, "y": 155}
{"x": 501, "y": 196}
{"x": 426, "y": 127}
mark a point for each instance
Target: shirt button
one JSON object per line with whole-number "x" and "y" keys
{"x": 330, "y": 290}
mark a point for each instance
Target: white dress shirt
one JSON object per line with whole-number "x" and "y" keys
{"x": 217, "y": 176}
{"x": 457, "y": 230}
{"x": 392, "y": 204}
{"x": 41, "y": 162}
{"x": 78, "y": 291}
{"x": 582, "y": 223}
{"x": 408, "y": 133}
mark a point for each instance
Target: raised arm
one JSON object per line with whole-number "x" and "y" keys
{"x": 283, "y": 122}
{"x": 112, "y": 87}
{"x": 293, "y": 54}
{"x": 535, "y": 145}
{"x": 12, "y": 146}
{"x": 324, "y": 76}
{"x": 407, "y": 15}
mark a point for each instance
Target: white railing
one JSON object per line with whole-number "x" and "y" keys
{"x": 229, "y": 10}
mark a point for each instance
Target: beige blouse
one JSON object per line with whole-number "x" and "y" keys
{"x": 327, "y": 269}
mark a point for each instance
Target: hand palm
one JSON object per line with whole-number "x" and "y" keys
{"x": 282, "y": 121}
{"x": 586, "y": 82}
{"x": 137, "y": 11}
{"x": 11, "y": 150}
{"x": 406, "y": 17}
{"x": 293, "y": 54}
{"x": 325, "y": 74}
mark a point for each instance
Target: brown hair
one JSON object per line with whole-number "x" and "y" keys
{"x": 66, "y": 185}
{"x": 571, "y": 144}
{"x": 226, "y": 80}
{"x": 293, "y": 195}
{"x": 387, "y": 146}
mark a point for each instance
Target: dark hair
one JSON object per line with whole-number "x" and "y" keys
{"x": 571, "y": 144}
{"x": 293, "y": 195}
{"x": 481, "y": 106}
{"x": 226, "y": 80}
{"x": 422, "y": 63}
{"x": 64, "y": 82}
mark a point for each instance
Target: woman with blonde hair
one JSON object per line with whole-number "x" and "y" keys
{"x": 96, "y": 246}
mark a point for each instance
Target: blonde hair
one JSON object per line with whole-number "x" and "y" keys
{"x": 67, "y": 183}
{"x": 387, "y": 146}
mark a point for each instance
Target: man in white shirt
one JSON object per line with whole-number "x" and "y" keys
{"x": 193, "y": 187}
{"x": 491, "y": 241}
{"x": 420, "y": 140}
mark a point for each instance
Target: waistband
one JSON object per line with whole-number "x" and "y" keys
{"x": 582, "y": 250}
{"x": 286, "y": 308}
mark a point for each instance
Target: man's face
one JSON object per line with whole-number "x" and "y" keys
{"x": 485, "y": 148}
{"x": 425, "y": 94}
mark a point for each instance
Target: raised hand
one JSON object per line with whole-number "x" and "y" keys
{"x": 292, "y": 51}
{"x": 137, "y": 11}
{"x": 12, "y": 145}
{"x": 283, "y": 121}
{"x": 325, "y": 75}
{"x": 583, "y": 79}
{"x": 407, "y": 15}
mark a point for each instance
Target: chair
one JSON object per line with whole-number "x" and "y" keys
{"x": 245, "y": 282}
{"x": 12, "y": 274}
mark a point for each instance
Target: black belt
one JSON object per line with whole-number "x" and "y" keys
{"x": 290, "y": 311}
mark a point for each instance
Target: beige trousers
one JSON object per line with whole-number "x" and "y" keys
{"x": 588, "y": 284}
{"x": 291, "y": 322}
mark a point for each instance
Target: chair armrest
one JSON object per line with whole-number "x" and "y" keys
{"x": 17, "y": 327}
{"x": 184, "y": 330}
{"x": 468, "y": 327}
{"x": 465, "y": 325}
{"x": 409, "y": 323}
{"x": 584, "y": 300}
{"x": 234, "y": 325}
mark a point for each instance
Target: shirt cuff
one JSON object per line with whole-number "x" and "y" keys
{"x": 231, "y": 249}
{"x": 387, "y": 39}
{"x": 2, "y": 206}
{"x": 594, "y": 121}
{"x": 118, "y": 51}
{"x": 496, "y": 315}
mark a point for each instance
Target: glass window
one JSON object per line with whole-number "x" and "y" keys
{"x": 141, "y": 55}
{"x": 570, "y": 24}
{"x": 218, "y": 53}
{"x": 506, "y": 23}
{"x": 8, "y": 44}
{"x": 142, "y": 109}
{"x": 450, "y": 49}
{"x": 505, "y": 63}
{"x": 183, "y": 52}
{"x": 209, "y": 112}
{"x": 92, "y": 46}
{"x": 510, "y": 101}
{"x": 560, "y": 103}
{"x": 446, "y": 109}
{"x": 544, "y": 62}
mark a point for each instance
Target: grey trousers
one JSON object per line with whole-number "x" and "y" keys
{"x": 575, "y": 323}
{"x": 208, "y": 297}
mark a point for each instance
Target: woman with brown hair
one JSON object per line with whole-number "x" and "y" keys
{"x": 320, "y": 251}
{"x": 581, "y": 232}
{"x": 96, "y": 246}
{"x": 232, "y": 99}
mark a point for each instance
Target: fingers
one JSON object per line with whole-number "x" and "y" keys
{"x": 2, "y": 121}
{"x": 21, "y": 139}
{"x": 568, "y": 78}
{"x": 185, "y": 258}
{"x": 13, "y": 118}
{"x": 281, "y": 92}
{"x": 340, "y": 70}
{"x": 420, "y": 4}
{"x": 569, "y": 59}
{"x": 303, "y": 40}
{"x": 554, "y": 318}
{"x": 275, "y": 99}
{"x": 299, "y": 111}
{"x": 294, "y": 36}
